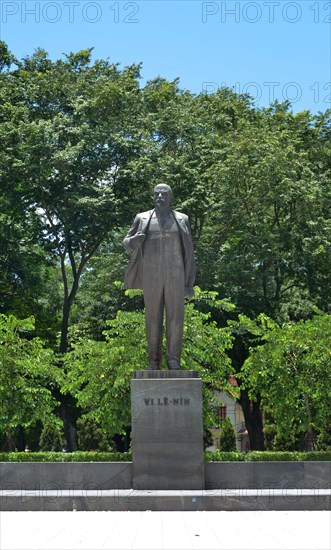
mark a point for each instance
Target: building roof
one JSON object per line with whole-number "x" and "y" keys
{"x": 233, "y": 381}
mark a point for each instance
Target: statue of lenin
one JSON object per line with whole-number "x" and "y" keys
{"x": 162, "y": 265}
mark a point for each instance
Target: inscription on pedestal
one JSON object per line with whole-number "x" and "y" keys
{"x": 167, "y": 433}
{"x": 165, "y": 401}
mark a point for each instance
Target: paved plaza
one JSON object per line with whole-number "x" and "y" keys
{"x": 165, "y": 530}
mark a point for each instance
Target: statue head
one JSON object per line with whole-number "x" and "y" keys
{"x": 162, "y": 196}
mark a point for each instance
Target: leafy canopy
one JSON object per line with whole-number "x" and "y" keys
{"x": 27, "y": 375}
{"x": 292, "y": 372}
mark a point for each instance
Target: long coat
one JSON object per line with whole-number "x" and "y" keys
{"x": 134, "y": 273}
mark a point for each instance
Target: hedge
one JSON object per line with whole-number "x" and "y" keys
{"x": 267, "y": 456}
{"x": 78, "y": 456}
{"x": 210, "y": 456}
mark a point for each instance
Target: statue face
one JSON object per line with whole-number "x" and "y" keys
{"x": 162, "y": 196}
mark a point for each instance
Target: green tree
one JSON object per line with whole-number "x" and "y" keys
{"x": 26, "y": 277}
{"x": 270, "y": 217}
{"x": 52, "y": 437}
{"x": 291, "y": 372}
{"x": 227, "y": 436}
{"x": 75, "y": 135}
{"x": 27, "y": 376}
{"x": 91, "y": 437}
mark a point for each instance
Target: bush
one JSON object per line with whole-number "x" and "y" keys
{"x": 273, "y": 456}
{"x": 227, "y": 437}
{"x": 51, "y": 438}
{"x": 91, "y": 437}
{"x": 222, "y": 456}
{"x": 284, "y": 443}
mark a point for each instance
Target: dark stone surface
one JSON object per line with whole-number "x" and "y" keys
{"x": 65, "y": 475}
{"x": 271, "y": 475}
{"x": 317, "y": 474}
{"x": 167, "y": 433}
{"x": 231, "y": 500}
{"x": 118, "y": 475}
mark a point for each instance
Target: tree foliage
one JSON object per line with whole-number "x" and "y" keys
{"x": 73, "y": 129}
{"x": 227, "y": 437}
{"x": 27, "y": 376}
{"x": 291, "y": 370}
{"x": 51, "y": 437}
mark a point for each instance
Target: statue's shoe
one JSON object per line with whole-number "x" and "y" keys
{"x": 153, "y": 365}
{"x": 173, "y": 364}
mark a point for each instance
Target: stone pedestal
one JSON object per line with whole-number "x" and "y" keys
{"x": 167, "y": 430}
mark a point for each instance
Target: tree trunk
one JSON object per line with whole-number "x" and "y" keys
{"x": 9, "y": 445}
{"x": 253, "y": 420}
{"x": 68, "y": 413}
{"x": 68, "y": 300}
{"x": 309, "y": 440}
{"x": 67, "y": 402}
{"x": 65, "y": 326}
{"x": 68, "y": 409}
{"x": 21, "y": 439}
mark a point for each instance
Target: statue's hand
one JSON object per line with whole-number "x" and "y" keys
{"x": 137, "y": 240}
{"x": 189, "y": 292}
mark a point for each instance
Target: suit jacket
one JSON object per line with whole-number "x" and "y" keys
{"x": 134, "y": 273}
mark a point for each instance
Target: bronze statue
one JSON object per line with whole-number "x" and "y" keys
{"x": 162, "y": 265}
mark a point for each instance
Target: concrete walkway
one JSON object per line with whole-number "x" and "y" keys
{"x": 165, "y": 530}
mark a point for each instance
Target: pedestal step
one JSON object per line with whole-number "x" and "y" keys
{"x": 162, "y": 374}
{"x": 134, "y": 500}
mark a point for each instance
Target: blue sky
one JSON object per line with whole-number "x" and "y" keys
{"x": 270, "y": 49}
